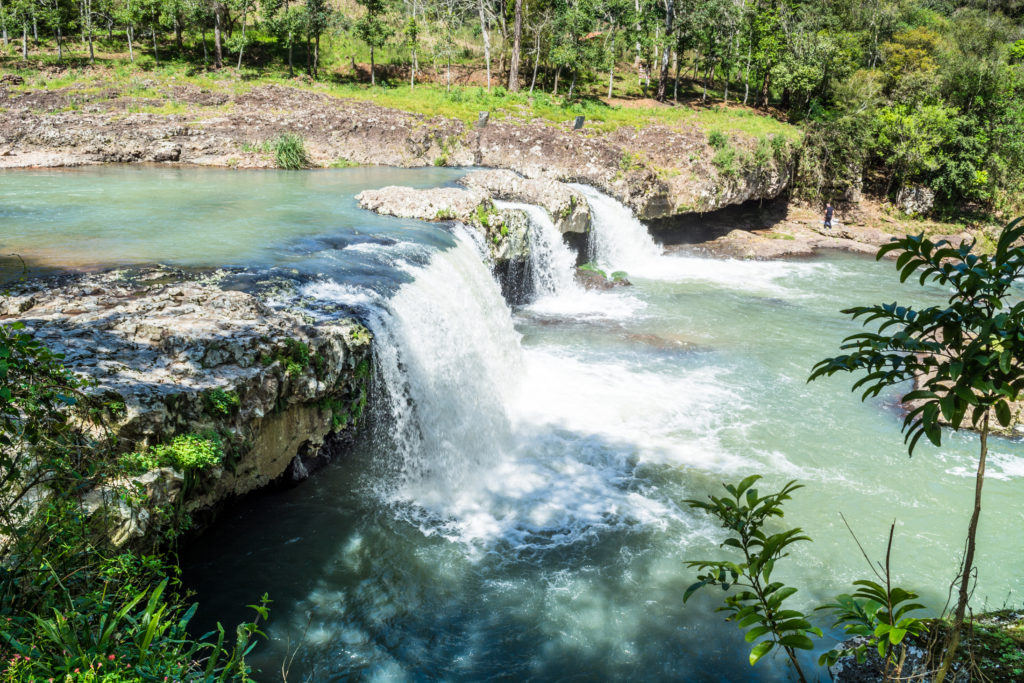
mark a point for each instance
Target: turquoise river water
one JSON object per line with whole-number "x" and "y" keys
{"x": 512, "y": 510}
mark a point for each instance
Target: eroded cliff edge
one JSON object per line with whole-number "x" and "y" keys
{"x": 178, "y": 355}
{"x": 657, "y": 170}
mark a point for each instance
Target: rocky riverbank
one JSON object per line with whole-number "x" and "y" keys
{"x": 657, "y": 170}
{"x": 178, "y": 355}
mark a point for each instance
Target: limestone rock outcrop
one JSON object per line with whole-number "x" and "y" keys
{"x": 567, "y": 207}
{"x": 174, "y": 353}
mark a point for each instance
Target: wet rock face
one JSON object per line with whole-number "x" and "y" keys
{"x": 175, "y": 354}
{"x": 567, "y": 207}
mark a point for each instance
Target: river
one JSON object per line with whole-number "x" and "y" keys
{"x": 513, "y": 508}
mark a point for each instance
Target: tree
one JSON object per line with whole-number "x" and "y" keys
{"x": 517, "y": 38}
{"x": 965, "y": 358}
{"x": 373, "y": 30}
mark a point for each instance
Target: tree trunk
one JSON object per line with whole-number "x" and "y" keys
{"x": 373, "y": 77}
{"x": 638, "y": 60}
{"x": 487, "y": 41}
{"x": 206, "y": 55}
{"x": 536, "y": 62}
{"x": 60, "y": 44}
{"x": 3, "y": 16}
{"x": 35, "y": 30}
{"x": 177, "y": 35}
{"x": 675, "y": 83}
{"x": 517, "y": 36}
{"x": 953, "y": 641}
{"x": 88, "y": 20}
{"x": 316, "y": 56}
{"x": 131, "y": 50}
{"x": 156, "y": 55}
{"x": 766, "y": 87}
{"x": 24, "y": 41}
{"x": 241, "y": 46}
{"x": 746, "y": 76}
{"x": 558, "y": 72}
{"x": 572, "y": 85}
{"x": 291, "y": 49}
{"x": 218, "y": 50}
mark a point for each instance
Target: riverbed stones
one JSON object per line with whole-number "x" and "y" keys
{"x": 567, "y": 206}
{"x": 175, "y": 353}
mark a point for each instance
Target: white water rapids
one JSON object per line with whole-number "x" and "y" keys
{"x": 517, "y": 512}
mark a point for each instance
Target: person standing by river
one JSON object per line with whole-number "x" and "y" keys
{"x": 828, "y": 215}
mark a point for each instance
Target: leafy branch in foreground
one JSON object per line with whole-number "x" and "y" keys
{"x": 879, "y": 613}
{"x": 965, "y": 357}
{"x": 759, "y": 606}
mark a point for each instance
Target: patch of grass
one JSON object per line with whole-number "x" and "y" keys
{"x": 290, "y": 152}
{"x": 343, "y": 163}
{"x": 219, "y": 402}
{"x": 779, "y": 236}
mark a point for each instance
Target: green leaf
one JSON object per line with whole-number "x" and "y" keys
{"x": 755, "y": 633}
{"x": 760, "y": 650}
{"x": 799, "y": 642}
{"x": 1003, "y": 413}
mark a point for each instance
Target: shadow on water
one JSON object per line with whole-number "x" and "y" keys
{"x": 361, "y": 592}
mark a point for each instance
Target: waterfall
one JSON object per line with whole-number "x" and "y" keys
{"x": 618, "y": 240}
{"x": 552, "y": 263}
{"x": 448, "y": 365}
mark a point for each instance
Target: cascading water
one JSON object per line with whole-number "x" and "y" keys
{"x": 618, "y": 240}
{"x": 552, "y": 262}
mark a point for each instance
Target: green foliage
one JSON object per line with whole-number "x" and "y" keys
{"x": 964, "y": 356}
{"x": 726, "y": 160}
{"x": 186, "y": 452}
{"x": 219, "y": 402}
{"x": 619, "y": 276}
{"x": 74, "y": 607}
{"x": 718, "y": 139}
{"x": 592, "y": 268}
{"x": 290, "y": 152}
{"x": 445, "y": 214}
{"x": 758, "y": 606}
{"x": 878, "y": 614}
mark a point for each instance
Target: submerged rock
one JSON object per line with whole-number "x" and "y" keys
{"x": 173, "y": 353}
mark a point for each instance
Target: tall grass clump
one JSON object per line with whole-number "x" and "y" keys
{"x": 290, "y": 152}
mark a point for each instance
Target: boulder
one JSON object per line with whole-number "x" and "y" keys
{"x": 567, "y": 207}
{"x": 435, "y": 204}
{"x": 915, "y": 200}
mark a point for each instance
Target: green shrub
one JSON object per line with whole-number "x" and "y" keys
{"x": 221, "y": 402}
{"x": 187, "y": 452}
{"x": 290, "y": 152}
{"x": 718, "y": 139}
{"x": 725, "y": 160}
{"x": 73, "y": 606}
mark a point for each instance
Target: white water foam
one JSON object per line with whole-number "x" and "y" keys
{"x": 552, "y": 262}
{"x": 620, "y": 241}
{"x": 526, "y": 450}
